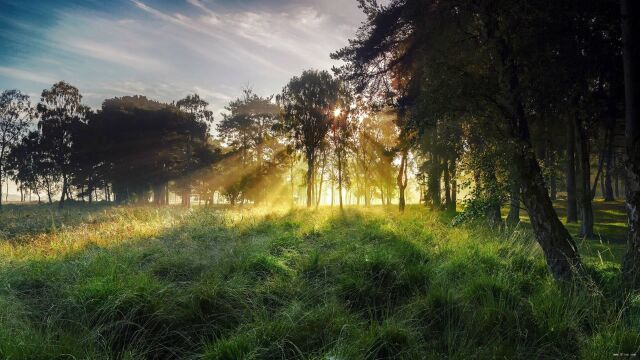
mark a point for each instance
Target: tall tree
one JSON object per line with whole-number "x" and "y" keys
{"x": 197, "y": 108}
{"x": 308, "y": 102}
{"x": 61, "y": 110}
{"x": 630, "y": 10}
{"x": 16, "y": 114}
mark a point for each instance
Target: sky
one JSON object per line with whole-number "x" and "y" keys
{"x": 166, "y": 49}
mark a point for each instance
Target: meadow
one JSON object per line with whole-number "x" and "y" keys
{"x": 105, "y": 282}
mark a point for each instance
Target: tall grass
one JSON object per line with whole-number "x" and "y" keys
{"x": 141, "y": 282}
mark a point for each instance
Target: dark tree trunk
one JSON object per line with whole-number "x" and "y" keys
{"x": 454, "y": 185}
{"x": 513, "y": 217}
{"x": 631, "y": 56}
{"x": 447, "y": 186}
{"x": 572, "y": 205}
{"x": 339, "y": 180}
{"x": 608, "y": 171}
{"x": 310, "y": 184}
{"x": 433, "y": 182}
{"x": 491, "y": 187}
{"x": 553, "y": 184}
{"x": 402, "y": 181}
{"x": 186, "y": 196}
{"x": 557, "y": 244}
{"x": 64, "y": 193}
{"x": 159, "y": 195}
{"x": 584, "y": 179}
{"x": 616, "y": 184}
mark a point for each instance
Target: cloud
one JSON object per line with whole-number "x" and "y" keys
{"x": 20, "y": 74}
{"x": 125, "y": 57}
{"x": 166, "y": 50}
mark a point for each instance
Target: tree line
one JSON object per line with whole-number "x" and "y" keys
{"x": 523, "y": 97}
{"x": 137, "y": 150}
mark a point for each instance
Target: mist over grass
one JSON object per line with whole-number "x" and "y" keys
{"x": 107, "y": 282}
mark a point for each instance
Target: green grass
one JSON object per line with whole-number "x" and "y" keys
{"x": 139, "y": 282}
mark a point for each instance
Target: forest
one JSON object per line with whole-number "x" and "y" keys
{"x": 464, "y": 184}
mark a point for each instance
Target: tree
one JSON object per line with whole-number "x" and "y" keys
{"x": 142, "y": 145}
{"x": 340, "y": 136}
{"x": 197, "y": 108}
{"x": 15, "y": 117}
{"x": 631, "y": 55}
{"x": 61, "y": 110}
{"x": 308, "y": 101}
{"x": 249, "y": 130}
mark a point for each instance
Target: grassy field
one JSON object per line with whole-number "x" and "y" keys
{"x": 141, "y": 282}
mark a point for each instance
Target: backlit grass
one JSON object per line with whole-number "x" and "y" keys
{"x": 142, "y": 282}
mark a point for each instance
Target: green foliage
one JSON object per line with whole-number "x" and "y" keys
{"x": 140, "y": 282}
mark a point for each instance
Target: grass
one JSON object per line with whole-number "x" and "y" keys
{"x": 153, "y": 283}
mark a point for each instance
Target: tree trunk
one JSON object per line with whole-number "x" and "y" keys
{"x": 493, "y": 209}
{"x": 340, "y": 180}
{"x": 631, "y": 56}
{"x": 513, "y": 217}
{"x": 64, "y": 192}
{"x": 601, "y": 156}
{"x": 319, "y": 194}
{"x": 572, "y": 205}
{"x": 557, "y": 244}
{"x": 608, "y": 176}
{"x": 454, "y": 185}
{"x": 402, "y": 181}
{"x": 584, "y": 179}
{"x": 186, "y": 196}
{"x": 447, "y": 186}
{"x": 310, "y": 184}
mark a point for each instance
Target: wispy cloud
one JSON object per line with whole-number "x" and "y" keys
{"x": 166, "y": 50}
{"x": 20, "y": 74}
{"x": 125, "y": 57}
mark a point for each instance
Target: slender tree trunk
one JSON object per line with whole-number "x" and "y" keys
{"x": 310, "y": 161}
{"x": 402, "y": 181}
{"x": 324, "y": 163}
{"x": 64, "y": 192}
{"x": 616, "y": 183}
{"x": 599, "y": 172}
{"x": 454, "y": 184}
{"x": 608, "y": 177}
{"x": 1, "y": 186}
{"x": 572, "y": 205}
{"x": 584, "y": 165}
{"x": 447, "y": 186}
{"x": 631, "y": 56}
{"x": 340, "y": 180}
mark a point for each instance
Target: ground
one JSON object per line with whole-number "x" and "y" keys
{"x": 105, "y": 282}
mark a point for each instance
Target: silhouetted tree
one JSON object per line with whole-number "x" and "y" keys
{"x": 307, "y": 104}
{"x": 16, "y": 114}
{"x": 61, "y": 110}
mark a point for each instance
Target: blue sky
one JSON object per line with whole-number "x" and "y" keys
{"x": 167, "y": 49}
